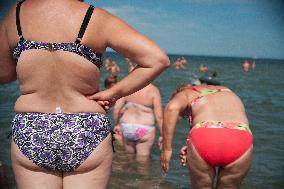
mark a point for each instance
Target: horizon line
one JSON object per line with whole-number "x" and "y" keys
{"x": 216, "y": 56}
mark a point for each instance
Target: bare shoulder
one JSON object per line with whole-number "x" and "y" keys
{"x": 106, "y": 18}
{"x": 179, "y": 101}
{"x": 152, "y": 87}
{"x": 153, "y": 90}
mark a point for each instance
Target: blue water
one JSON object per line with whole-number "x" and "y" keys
{"x": 261, "y": 90}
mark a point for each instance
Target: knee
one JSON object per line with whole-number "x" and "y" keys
{"x": 230, "y": 181}
{"x": 204, "y": 183}
{"x": 201, "y": 180}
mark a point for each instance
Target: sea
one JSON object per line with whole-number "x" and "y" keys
{"x": 261, "y": 90}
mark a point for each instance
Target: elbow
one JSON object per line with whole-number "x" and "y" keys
{"x": 162, "y": 61}
{"x": 165, "y": 61}
{"x": 172, "y": 108}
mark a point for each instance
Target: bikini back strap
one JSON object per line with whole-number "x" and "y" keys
{"x": 18, "y": 21}
{"x": 85, "y": 23}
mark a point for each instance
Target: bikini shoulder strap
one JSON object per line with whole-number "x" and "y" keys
{"x": 18, "y": 20}
{"x": 193, "y": 88}
{"x": 85, "y": 23}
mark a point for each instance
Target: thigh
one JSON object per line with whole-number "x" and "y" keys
{"x": 95, "y": 171}
{"x": 129, "y": 146}
{"x": 144, "y": 145}
{"x": 202, "y": 175}
{"x": 30, "y": 176}
{"x": 233, "y": 174}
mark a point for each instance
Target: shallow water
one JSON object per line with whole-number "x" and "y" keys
{"x": 262, "y": 92}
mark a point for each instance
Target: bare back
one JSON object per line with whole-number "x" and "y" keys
{"x": 140, "y": 114}
{"x": 219, "y": 106}
{"x": 56, "y": 78}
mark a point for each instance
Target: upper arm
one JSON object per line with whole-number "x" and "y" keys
{"x": 127, "y": 41}
{"x": 7, "y": 64}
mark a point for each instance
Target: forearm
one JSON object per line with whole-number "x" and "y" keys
{"x": 138, "y": 79}
{"x": 169, "y": 125}
{"x": 160, "y": 126}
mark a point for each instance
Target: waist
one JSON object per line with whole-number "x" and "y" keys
{"x": 69, "y": 104}
{"x": 137, "y": 117}
{"x": 223, "y": 124}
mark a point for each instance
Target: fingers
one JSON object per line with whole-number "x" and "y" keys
{"x": 165, "y": 166}
{"x": 117, "y": 129}
{"x": 165, "y": 161}
{"x": 104, "y": 105}
{"x": 183, "y": 155}
{"x": 183, "y": 150}
{"x": 183, "y": 160}
{"x": 95, "y": 96}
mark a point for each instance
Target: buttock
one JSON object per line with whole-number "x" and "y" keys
{"x": 59, "y": 141}
{"x": 135, "y": 132}
{"x": 220, "y": 146}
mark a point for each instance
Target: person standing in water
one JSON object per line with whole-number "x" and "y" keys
{"x": 219, "y": 137}
{"x": 134, "y": 118}
{"x": 61, "y": 133}
{"x": 246, "y": 66}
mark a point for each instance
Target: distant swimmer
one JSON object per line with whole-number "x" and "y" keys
{"x": 246, "y": 66}
{"x": 114, "y": 69}
{"x": 107, "y": 63}
{"x": 179, "y": 64}
{"x": 203, "y": 68}
{"x": 219, "y": 136}
{"x": 183, "y": 61}
{"x": 253, "y": 65}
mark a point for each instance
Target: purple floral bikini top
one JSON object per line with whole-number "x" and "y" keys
{"x": 75, "y": 47}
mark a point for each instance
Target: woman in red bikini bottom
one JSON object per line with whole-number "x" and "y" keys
{"x": 219, "y": 136}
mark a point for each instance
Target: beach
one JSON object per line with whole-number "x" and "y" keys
{"x": 261, "y": 90}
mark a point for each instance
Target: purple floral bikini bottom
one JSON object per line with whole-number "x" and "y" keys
{"x": 59, "y": 141}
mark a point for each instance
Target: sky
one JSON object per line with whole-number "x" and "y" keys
{"x": 238, "y": 28}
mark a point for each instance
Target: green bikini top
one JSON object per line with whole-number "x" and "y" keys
{"x": 206, "y": 92}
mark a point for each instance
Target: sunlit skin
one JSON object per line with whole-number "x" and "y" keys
{"x": 211, "y": 107}
{"x": 148, "y": 96}
{"x": 48, "y": 79}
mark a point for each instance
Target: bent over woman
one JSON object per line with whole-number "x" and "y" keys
{"x": 61, "y": 134}
{"x": 219, "y": 137}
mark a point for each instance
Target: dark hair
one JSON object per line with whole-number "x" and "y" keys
{"x": 179, "y": 89}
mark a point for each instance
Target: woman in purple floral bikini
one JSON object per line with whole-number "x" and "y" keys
{"x": 61, "y": 135}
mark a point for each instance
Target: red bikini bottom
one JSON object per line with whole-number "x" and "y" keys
{"x": 220, "y": 146}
